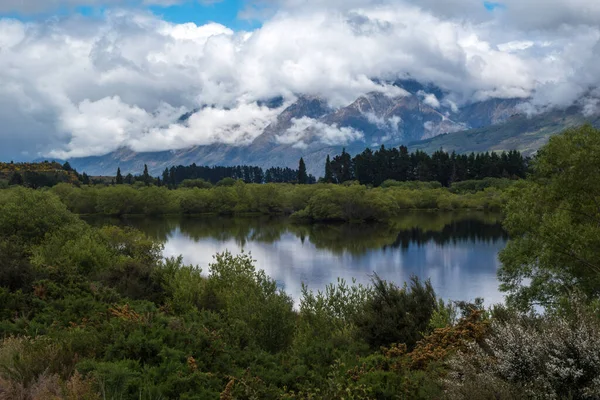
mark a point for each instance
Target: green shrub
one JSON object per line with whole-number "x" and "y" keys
{"x": 473, "y": 186}
{"x": 411, "y": 185}
{"x": 396, "y": 315}
{"x": 195, "y": 183}
{"x": 251, "y": 302}
{"x": 119, "y": 200}
{"x": 30, "y": 214}
{"x": 196, "y": 201}
{"x": 226, "y": 182}
{"x": 532, "y": 358}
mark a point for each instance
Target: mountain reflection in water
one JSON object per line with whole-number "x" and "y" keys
{"x": 458, "y": 251}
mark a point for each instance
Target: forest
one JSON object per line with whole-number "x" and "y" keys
{"x": 175, "y": 176}
{"x": 374, "y": 168}
{"x": 368, "y": 168}
{"x": 96, "y": 312}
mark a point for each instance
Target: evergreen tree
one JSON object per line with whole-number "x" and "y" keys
{"x": 374, "y": 168}
{"x": 85, "y": 179}
{"x": 328, "y": 172}
{"x": 341, "y": 168}
{"x": 119, "y": 179}
{"x": 302, "y": 175}
{"x": 166, "y": 176}
{"x": 129, "y": 179}
{"x": 146, "y": 176}
{"x": 67, "y": 167}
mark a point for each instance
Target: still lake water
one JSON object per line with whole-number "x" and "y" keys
{"x": 457, "y": 251}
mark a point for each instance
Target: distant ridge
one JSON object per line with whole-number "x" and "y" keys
{"x": 418, "y": 117}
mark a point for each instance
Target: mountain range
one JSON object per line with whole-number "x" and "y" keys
{"x": 416, "y": 115}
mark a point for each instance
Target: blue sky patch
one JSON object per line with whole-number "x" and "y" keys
{"x": 224, "y": 12}
{"x": 493, "y": 5}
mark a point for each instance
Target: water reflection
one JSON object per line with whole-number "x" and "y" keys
{"x": 458, "y": 251}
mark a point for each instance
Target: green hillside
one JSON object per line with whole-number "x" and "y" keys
{"x": 36, "y": 174}
{"x": 526, "y": 134}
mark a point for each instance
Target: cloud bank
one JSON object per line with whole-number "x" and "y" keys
{"x": 77, "y": 86}
{"x": 304, "y": 128}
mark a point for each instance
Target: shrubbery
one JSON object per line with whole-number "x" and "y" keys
{"x": 111, "y": 319}
{"x": 555, "y": 357}
{"x": 321, "y": 202}
{"x": 92, "y": 313}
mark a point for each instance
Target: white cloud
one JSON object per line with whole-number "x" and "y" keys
{"x": 237, "y": 126}
{"x": 429, "y": 98}
{"x": 390, "y": 125}
{"x": 78, "y": 86}
{"x": 305, "y": 129}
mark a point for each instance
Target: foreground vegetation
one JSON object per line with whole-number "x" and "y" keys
{"x": 96, "y": 313}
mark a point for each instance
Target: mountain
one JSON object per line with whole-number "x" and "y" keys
{"x": 520, "y": 132}
{"x": 416, "y": 115}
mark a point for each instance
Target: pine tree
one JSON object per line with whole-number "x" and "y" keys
{"x": 146, "y": 176}
{"x": 119, "y": 180}
{"x": 165, "y": 176}
{"x": 67, "y": 167}
{"x": 346, "y": 172}
{"x": 328, "y": 172}
{"x": 302, "y": 175}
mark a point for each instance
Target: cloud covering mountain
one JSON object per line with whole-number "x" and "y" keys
{"x": 74, "y": 86}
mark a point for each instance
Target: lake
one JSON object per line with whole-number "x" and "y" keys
{"x": 457, "y": 251}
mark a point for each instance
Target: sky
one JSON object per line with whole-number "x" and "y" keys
{"x": 85, "y": 77}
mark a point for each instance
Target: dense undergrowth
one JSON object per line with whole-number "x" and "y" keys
{"x": 320, "y": 202}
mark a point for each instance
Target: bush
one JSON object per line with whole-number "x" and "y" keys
{"x": 226, "y": 182}
{"x": 550, "y": 357}
{"x": 473, "y": 186}
{"x": 396, "y": 315}
{"x": 411, "y": 185}
{"x": 195, "y": 183}
{"x": 351, "y": 203}
{"x": 40, "y": 369}
{"x": 119, "y": 200}
{"x": 251, "y": 302}
{"x": 196, "y": 201}
{"x": 30, "y": 214}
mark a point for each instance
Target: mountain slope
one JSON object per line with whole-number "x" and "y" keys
{"x": 526, "y": 134}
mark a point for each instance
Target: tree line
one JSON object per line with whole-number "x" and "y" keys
{"x": 374, "y": 168}
{"x": 175, "y": 175}
{"x": 371, "y": 168}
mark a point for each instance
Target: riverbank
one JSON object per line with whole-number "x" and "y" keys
{"x": 320, "y": 202}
